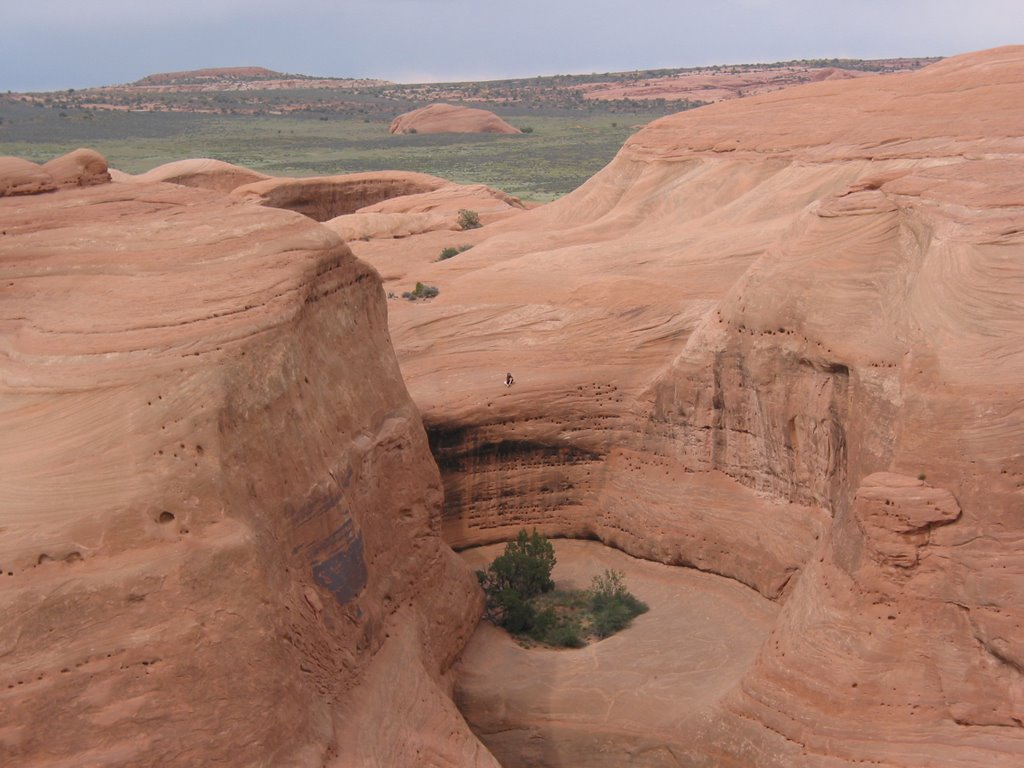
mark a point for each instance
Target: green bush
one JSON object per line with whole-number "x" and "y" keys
{"x": 421, "y": 291}
{"x": 524, "y": 568}
{"x": 526, "y": 129}
{"x": 451, "y": 250}
{"x": 517, "y": 614}
{"x": 567, "y": 634}
{"x": 612, "y": 605}
{"x": 521, "y": 599}
{"x": 468, "y": 219}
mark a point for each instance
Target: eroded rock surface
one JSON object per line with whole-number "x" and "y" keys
{"x": 326, "y": 197}
{"x": 219, "y": 513}
{"x": 204, "y": 173}
{"x": 737, "y": 347}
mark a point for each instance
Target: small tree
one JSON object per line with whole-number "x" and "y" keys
{"x": 521, "y": 573}
{"x": 525, "y": 567}
{"x": 468, "y": 219}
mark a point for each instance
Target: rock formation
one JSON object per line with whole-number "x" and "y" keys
{"x": 777, "y": 339}
{"x": 23, "y": 177}
{"x": 204, "y": 173}
{"x": 326, "y": 197}
{"x": 219, "y": 512}
{"x": 447, "y": 118}
{"x": 80, "y": 168}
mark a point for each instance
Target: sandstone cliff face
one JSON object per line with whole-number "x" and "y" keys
{"x": 219, "y": 511}
{"x": 447, "y": 118}
{"x": 737, "y": 347}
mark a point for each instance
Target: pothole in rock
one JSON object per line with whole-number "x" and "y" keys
{"x": 627, "y": 699}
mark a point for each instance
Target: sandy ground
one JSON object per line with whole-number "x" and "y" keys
{"x": 628, "y": 698}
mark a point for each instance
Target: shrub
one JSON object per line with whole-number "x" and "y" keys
{"x": 468, "y": 219}
{"x": 516, "y": 614}
{"x": 526, "y": 129}
{"x": 613, "y": 606}
{"x": 517, "y": 581}
{"x": 421, "y": 291}
{"x": 567, "y": 635}
{"x": 452, "y": 250}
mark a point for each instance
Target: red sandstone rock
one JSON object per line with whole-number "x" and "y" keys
{"x": 219, "y": 513}
{"x": 735, "y": 347}
{"x": 446, "y": 118}
{"x": 368, "y": 226}
{"x": 81, "y": 168}
{"x": 204, "y": 173}
{"x": 22, "y": 177}
{"x": 326, "y": 197}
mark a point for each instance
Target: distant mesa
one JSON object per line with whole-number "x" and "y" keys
{"x": 242, "y": 78}
{"x": 211, "y": 74}
{"x": 447, "y": 118}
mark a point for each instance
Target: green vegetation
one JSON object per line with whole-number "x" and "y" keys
{"x": 521, "y": 597}
{"x": 468, "y": 219}
{"x": 421, "y": 291}
{"x": 326, "y": 127}
{"x": 566, "y": 149}
{"x": 451, "y": 250}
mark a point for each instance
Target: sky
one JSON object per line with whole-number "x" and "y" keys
{"x": 59, "y": 44}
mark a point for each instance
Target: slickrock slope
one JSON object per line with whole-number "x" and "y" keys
{"x": 326, "y": 197}
{"x": 80, "y": 168}
{"x": 204, "y": 173}
{"x": 218, "y": 511}
{"x": 417, "y": 213}
{"x": 737, "y": 347}
{"x": 447, "y": 118}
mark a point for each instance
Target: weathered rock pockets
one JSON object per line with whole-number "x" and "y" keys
{"x": 220, "y": 511}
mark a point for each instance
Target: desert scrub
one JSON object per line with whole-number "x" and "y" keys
{"x": 522, "y": 599}
{"x": 453, "y": 250}
{"x": 421, "y": 291}
{"x": 468, "y": 219}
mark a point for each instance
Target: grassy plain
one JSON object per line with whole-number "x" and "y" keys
{"x": 565, "y": 148}
{"x": 294, "y": 125}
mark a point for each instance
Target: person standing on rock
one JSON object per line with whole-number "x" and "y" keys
{"x": 509, "y": 381}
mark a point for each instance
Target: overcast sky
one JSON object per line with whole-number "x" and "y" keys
{"x": 56, "y": 44}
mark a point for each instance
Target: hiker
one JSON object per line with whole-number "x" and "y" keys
{"x": 509, "y": 381}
